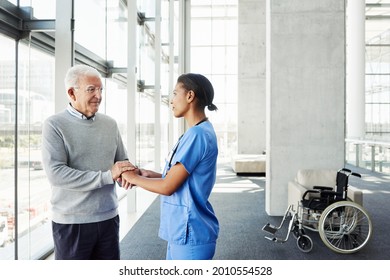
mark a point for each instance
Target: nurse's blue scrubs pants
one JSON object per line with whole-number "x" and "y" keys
{"x": 191, "y": 252}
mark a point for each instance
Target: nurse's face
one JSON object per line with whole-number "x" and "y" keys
{"x": 180, "y": 101}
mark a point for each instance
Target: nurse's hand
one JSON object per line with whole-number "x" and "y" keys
{"x": 128, "y": 177}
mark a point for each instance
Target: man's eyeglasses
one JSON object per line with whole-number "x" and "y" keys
{"x": 92, "y": 89}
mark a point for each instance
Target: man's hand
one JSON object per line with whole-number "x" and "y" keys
{"x": 121, "y": 166}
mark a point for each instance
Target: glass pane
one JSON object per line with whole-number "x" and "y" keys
{"x": 90, "y": 30}
{"x": 199, "y": 10}
{"x": 146, "y": 57}
{"x": 377, "y": 82}
{"x": 201, "y": 32}
{"x": 165, "y": 114}
{"x": 147, "y": 7}
{"x": 42, "y": 9}
{"x": 165, "y": 23}
{"x": 220, "y": 32}
{"x": 145, "y": 130}
{"x": 201, "y": 59}
{"x": 116, "y": 39}
{"x": 214, "y": 28}
{"x": 7, "y": 148}
{"x": 225, "y": 89}
{"x": 115, "y": 101}
{"x": 219, "y": 60}
{"x": 35, "y": 104}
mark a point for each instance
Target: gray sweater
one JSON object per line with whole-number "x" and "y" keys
{"x": 77, "y": 155}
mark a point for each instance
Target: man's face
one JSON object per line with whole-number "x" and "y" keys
{"x": 86, "y": 97}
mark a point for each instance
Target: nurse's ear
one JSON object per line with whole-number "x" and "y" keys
{"x": 190, "y": 96}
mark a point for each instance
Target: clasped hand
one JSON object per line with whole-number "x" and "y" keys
{"x": 121, "y": 166}
{"x": 127, "y": 177}
{"x": 130, "y": 178}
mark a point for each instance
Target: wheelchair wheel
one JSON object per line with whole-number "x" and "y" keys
{"x": 304, "y": 243}
{"x": 345, "y": 227}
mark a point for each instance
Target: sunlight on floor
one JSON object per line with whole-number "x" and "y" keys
{"x": 237, "y": 188}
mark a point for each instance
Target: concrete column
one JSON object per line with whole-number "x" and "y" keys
{"x": 305, "y": 92}
{"x": 251, "y": 77}
{"x": 355, "y": 26}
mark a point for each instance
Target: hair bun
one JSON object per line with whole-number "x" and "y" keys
{"x": 212, "y": 107}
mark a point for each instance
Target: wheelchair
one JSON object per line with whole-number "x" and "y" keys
{"x": 344, "y": 226}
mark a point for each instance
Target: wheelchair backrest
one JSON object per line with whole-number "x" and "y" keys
{"x": 341, "y": 184}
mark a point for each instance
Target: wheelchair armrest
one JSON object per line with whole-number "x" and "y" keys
{"x": 325, "y": 196}
{"x": 315, "y": 202}
{"x": 326, "y": 193}
{"x": 310, "y": 191}
{"x": 323, "y": 188}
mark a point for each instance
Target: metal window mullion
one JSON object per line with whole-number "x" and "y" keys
{"x": 157, "y": 86}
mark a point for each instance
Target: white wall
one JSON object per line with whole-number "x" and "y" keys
{"x": 305, "y": 91}
{"x": 251, "y": 77}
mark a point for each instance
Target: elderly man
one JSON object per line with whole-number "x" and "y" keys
{"x": 83, "y": 155}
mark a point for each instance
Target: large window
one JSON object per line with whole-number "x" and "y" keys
{"x": 7, "y": 147}
{"x": 378, "y": 87}
{"x": 35, "y": 104}
{"x": 213, "y": 51}
{"x": 373, "y": 152}
{"x": 27, "y": 98}
{"x": 378, "y": 70}
{"x": 25, "y": 231}
{"x": 154, "y": 82}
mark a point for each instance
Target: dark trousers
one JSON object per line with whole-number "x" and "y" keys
{"x": 92, "y": 241}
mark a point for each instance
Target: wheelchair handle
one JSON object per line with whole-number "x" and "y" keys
{"x": 346, "y": 169}
{"x": 356, "y": 174}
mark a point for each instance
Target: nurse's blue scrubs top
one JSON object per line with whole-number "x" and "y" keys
{"x": 187, "y": 216}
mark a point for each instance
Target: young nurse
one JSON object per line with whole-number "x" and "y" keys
{"x": 188, "y": 221}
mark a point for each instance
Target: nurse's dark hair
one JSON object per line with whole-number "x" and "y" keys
{"x": 202, "y": 87}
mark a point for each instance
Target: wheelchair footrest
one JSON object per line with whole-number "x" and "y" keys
{"x": 274, "y": 239}
{"x": 271, "y": 238}
{"x": 270, "y": 228}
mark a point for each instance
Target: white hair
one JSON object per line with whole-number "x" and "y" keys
{"x": 77, "y": 71}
